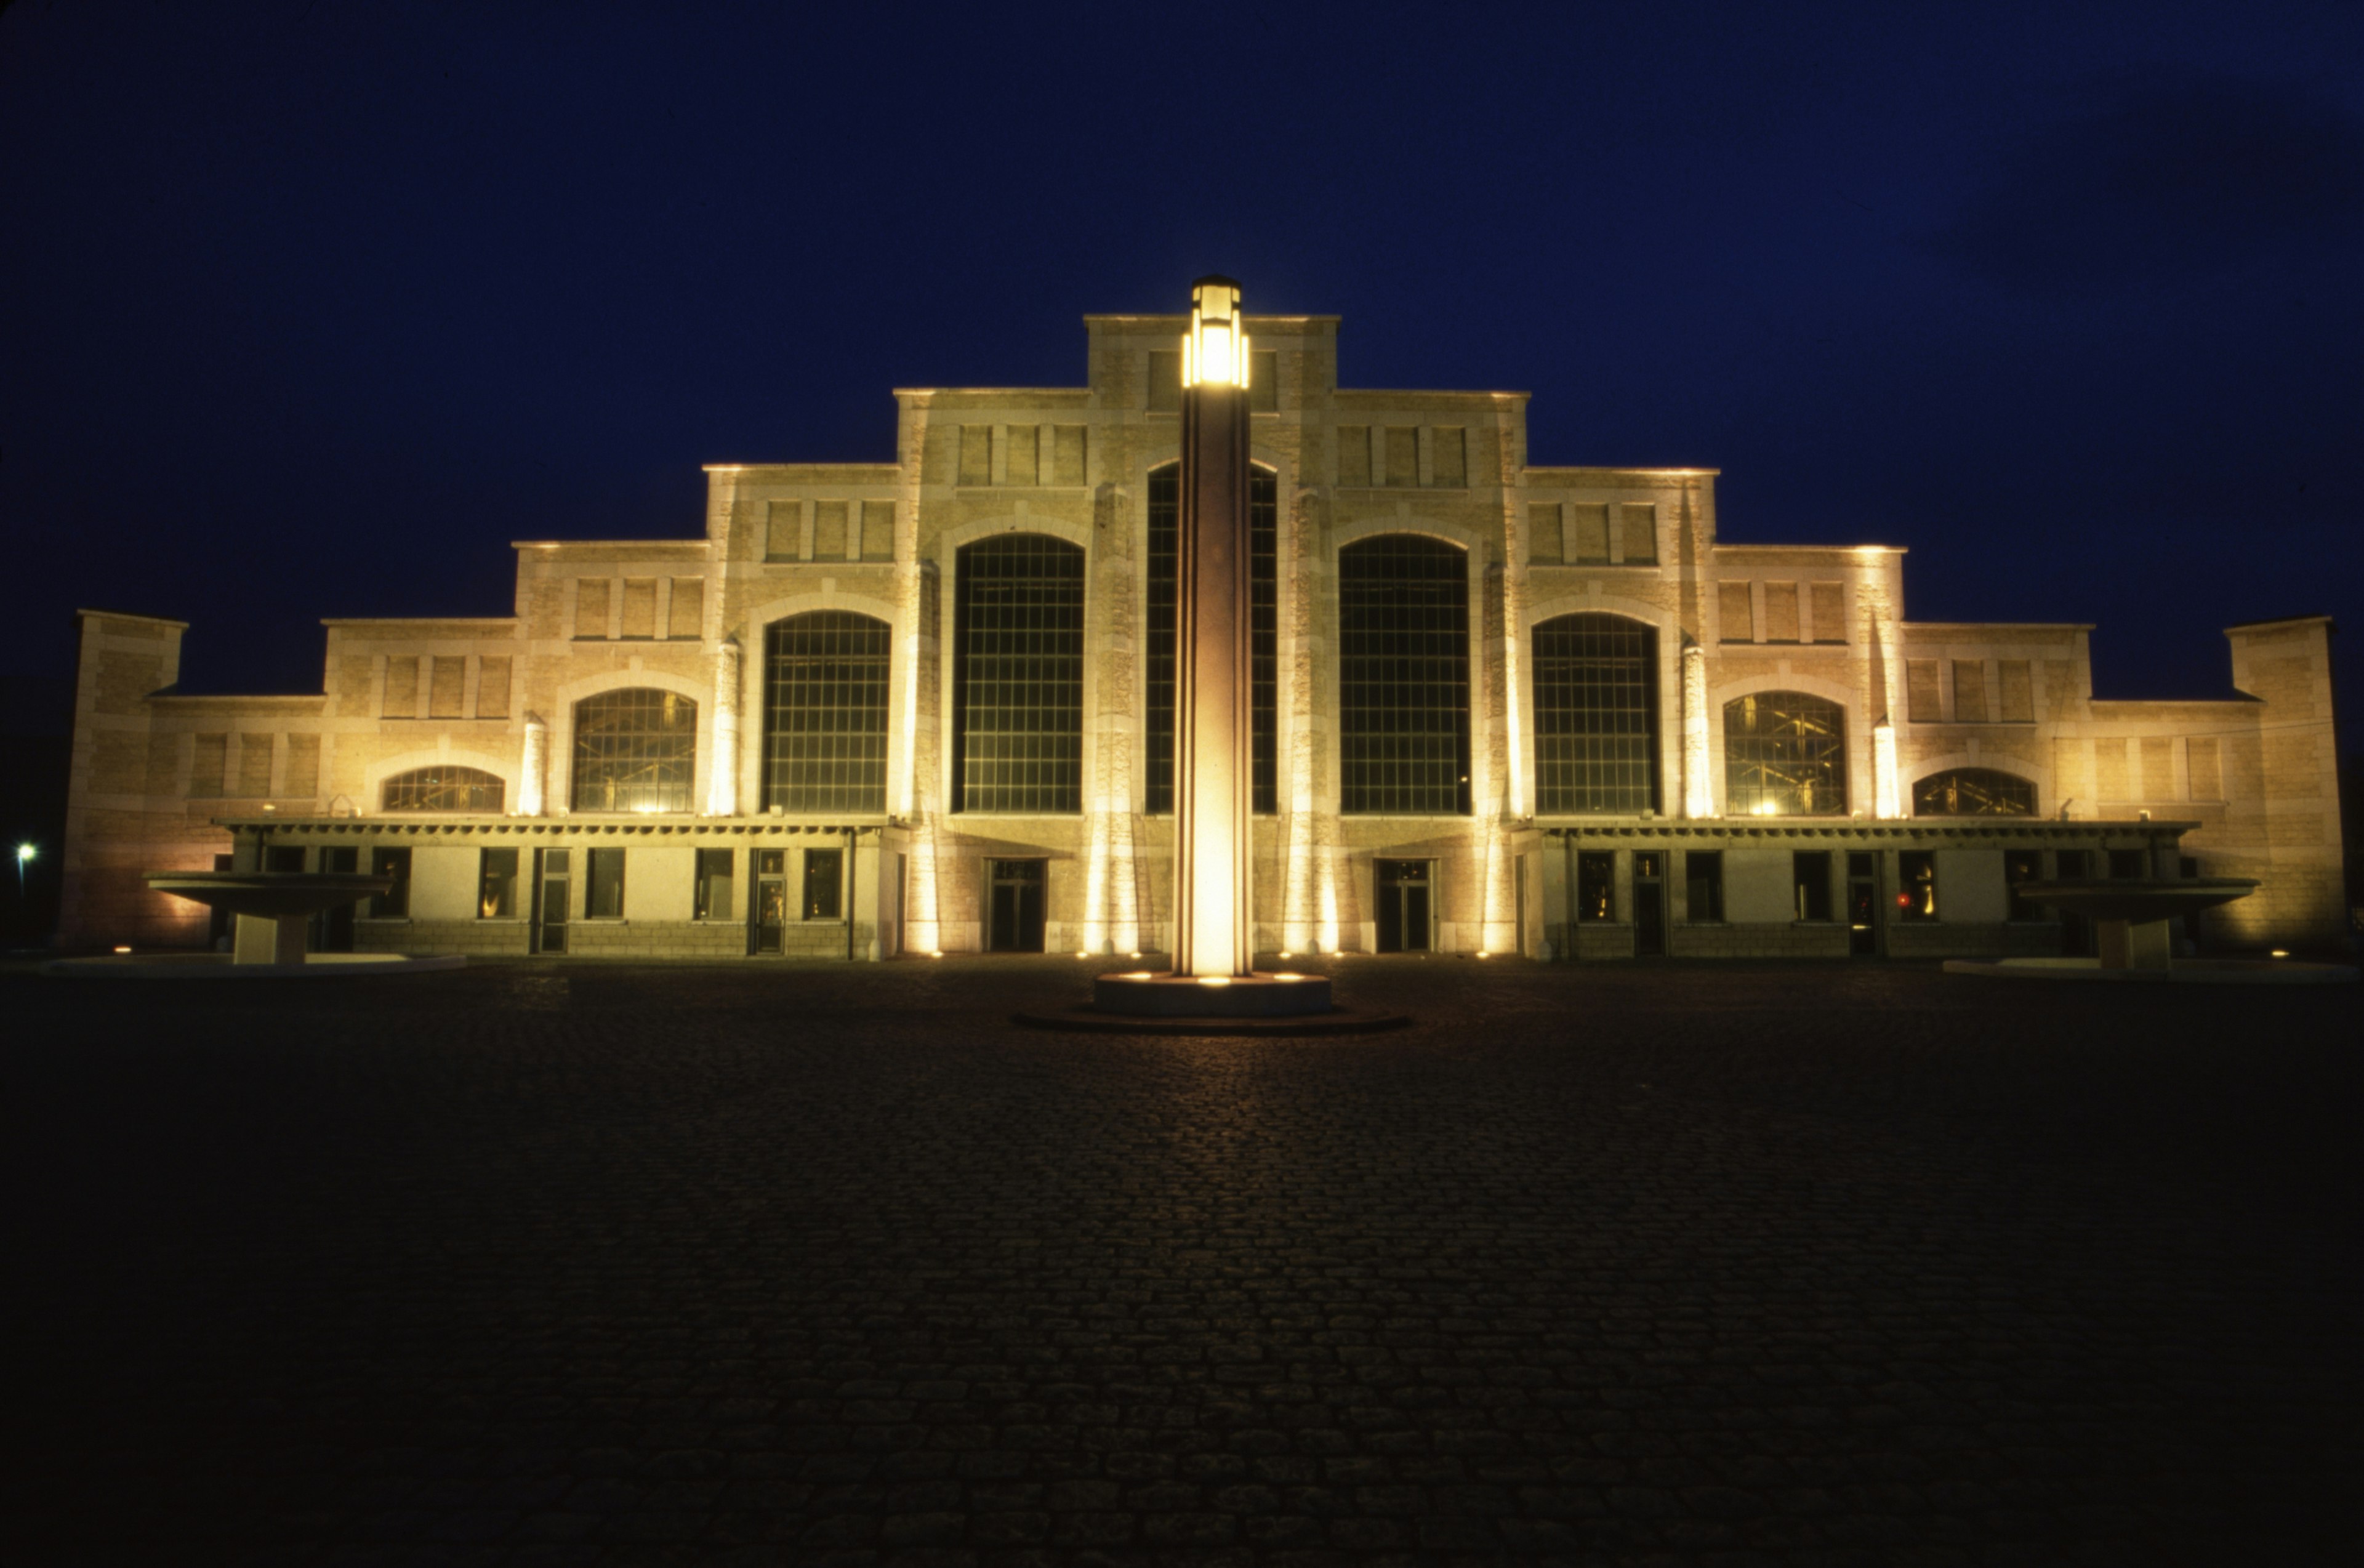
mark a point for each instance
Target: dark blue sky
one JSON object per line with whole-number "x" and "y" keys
{"x": 311, "y": 308}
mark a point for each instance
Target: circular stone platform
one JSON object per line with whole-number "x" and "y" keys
{"x": 218, "y": 966}
{"x": 1148, "y": 1002}
{"x": 2183, "y": 972}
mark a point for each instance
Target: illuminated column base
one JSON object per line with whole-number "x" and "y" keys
{"x": 722, "y": 785}
{"x": 1698, "y": 789}
{"x": 536, "y": 762}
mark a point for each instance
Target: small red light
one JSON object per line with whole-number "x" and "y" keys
{"x": 1904, "y": 901}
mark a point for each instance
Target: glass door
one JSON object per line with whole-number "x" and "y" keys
{"x": 1863, "y": 904}
{"x": 767, "y": 902}
{"x": 1649, "y": 903}
{"x": 553, "y": 886}
{"x": 1404, "y": 911}
{"x": 1015, "y": 911}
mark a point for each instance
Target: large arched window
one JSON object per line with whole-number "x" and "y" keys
{"x": 1018, "y": 676}
{"x": 1973, "y": 792}
{"x": 825, "y": 713}
{"x": 1596, "y": 715}
{"x": 634, "y": 750}
{"x": 1264, "y": 632}
{"x": 1784, "y": 755}
{"x": 1404, "y": 676}
{"x": 442, "y": 788}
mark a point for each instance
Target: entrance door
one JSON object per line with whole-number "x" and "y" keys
{"x": 1014, "y": 913}
{"x": 553, "y": 882}
{"x": 1403, "y": 912}
{"x": 2075, "y": 930}
{"x": 1863, "y": 904}
{"x": 767, "y": 902}
{"x": 332, "y": 930}
{"x": 1649, "y": 903}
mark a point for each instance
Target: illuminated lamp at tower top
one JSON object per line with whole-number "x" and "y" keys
{"x": 1215, "y": 349}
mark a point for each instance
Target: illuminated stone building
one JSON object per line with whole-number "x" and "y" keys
{"x": 927, "y": 706}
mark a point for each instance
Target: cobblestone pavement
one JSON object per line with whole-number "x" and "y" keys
{"x": 608, "y": 1265}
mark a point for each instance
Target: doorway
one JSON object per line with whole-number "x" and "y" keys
{"x": 1649, "y": 903}
{"x": 553, "y": 885}
{"x": 1013, "y": 906}
{"x": 767, "y": 902}
{"x": 1405, "y": 914}
{"x": 1863, "y": 904}
{"x": 332, "y": 930}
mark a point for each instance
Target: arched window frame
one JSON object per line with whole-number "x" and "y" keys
{"x": 1160, "y": 556}
{"x": 444, "y": 787}
{"x": 1833, "y": 752}
{"x": 1058, "y": 750}
{"x": 672, "y": 751}
{"x": 1375, "y": 795}
{"x": 1563, "y": 786}
{"x": 857, "y": 750}
{"x": 1993, "y": 782}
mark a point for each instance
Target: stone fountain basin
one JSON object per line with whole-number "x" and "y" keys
{"x": 269, "y": 894}
{"x": 2139, "y": 903}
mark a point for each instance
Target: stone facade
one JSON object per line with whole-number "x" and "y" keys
{"x": 2245, "y": 787}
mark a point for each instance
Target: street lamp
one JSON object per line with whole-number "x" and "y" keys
{"x": 25, "y": 856}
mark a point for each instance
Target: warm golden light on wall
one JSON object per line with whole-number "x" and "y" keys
{"x": 1215, "y": 349}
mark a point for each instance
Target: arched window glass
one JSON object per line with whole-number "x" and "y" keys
{"x": 1018, "y": 676}
{"x": 442, "y": 789}
{"x": 825, "y": 713}
{"x": 1784, "y": 755}
{"x": 1404, "y": 676}
{"x": 634, "y": 750}
{"x": 1596, "y": 715}
{"x": 1973, "y": 792}
{"x": 1264, "y": 633}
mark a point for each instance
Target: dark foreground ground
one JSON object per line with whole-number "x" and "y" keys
{"x": 623, "y": 1265}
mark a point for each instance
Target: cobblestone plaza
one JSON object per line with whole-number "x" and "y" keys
{"x": 604, "y": 1265}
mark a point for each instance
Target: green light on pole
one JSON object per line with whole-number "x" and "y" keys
{"x": 25, "y": 853}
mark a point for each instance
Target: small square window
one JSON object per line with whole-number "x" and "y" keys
{"x": 1595, "y": 886}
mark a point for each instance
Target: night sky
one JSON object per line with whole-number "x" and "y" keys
{"x": 312, "y": 308}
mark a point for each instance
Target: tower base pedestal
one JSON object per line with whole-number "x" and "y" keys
{"x": 1257, "y": 1004}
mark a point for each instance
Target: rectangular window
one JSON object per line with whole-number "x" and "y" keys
{"x": 2018, "y": 866}
{"x": 605, "y": 898}
{"x": 1780, "y": 612}
{"x": 1809, "y": 877}
{"x": 1703, "y": 885}
{"x": 1449, "y": 458}
{"x": 2072, "y": 865}
{"x": 1023, "y": 465}
{"x": 1354, "y": 454}
{"x": 1970, "y": 691}
{"x": 1589, "y": 524}
{"x": 2207, "y": 773}
{"x": 447, "y": 688}
{"x": 1543, "y": 534}
{"x": 1638, "y": 532}
{"x": 496, "y": 876}
{"x": 2018, "y": 692}
{"x": 1829, "y": 604}
{"x": 284, "y": 858}
{"x": 303, "y": 780}
{"x": 393, "y": 904}
{"x": 784, "y": 537}
{"x": 685, "y": 616}
{"x": 254, "y": 765}
{"x": 2127, "y": 865}
{"x": 493, "y": 683}
{"x": 714, "y": 884}
{"x": 829, "y": 530}
{"x": 1165, "y": 381}
{"x": 878, "y": 531}
{"x": 824, "y": 877}
{"x": 1264, "y": 381}
{"x": 1068, "y": 454}
{"x": 208, "y": 766}
{"x": 1402, "y": 444}
{"x": 590, "y": 625}
{"x": 1018, "y": 676}
{"x": 1924, "y": 701}
{"x": 402, "y": 678}
{"x": 976, "y": 454}
{"x": 1917, "y": 885}
{"x": 1738, "y": 621}
{"x": 1595, "y": 886}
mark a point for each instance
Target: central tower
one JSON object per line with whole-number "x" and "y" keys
{"x": 1214, "y": 920}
